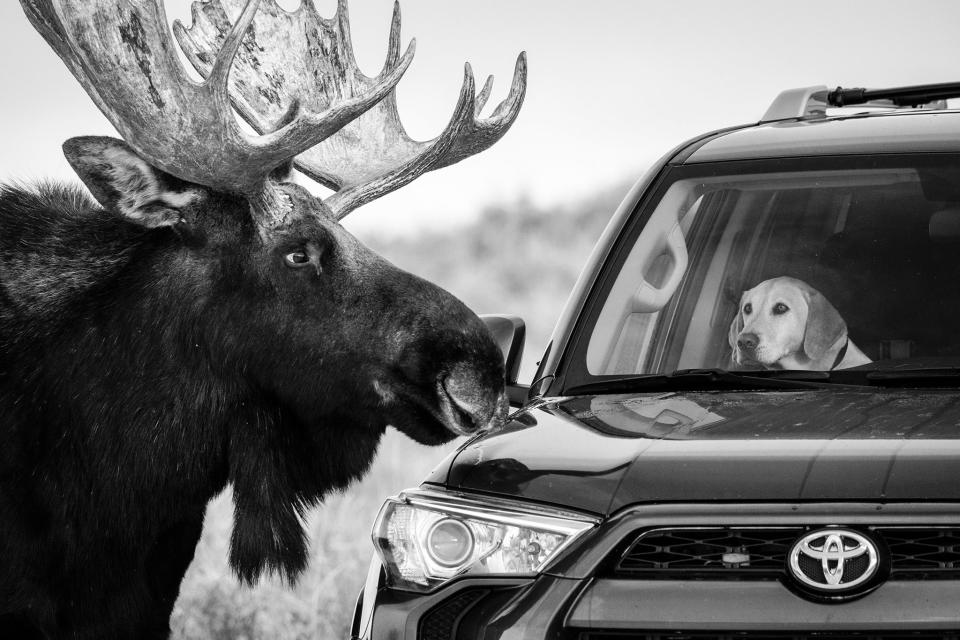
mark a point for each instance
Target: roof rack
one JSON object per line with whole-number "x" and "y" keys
{"x": 812, "y": 102}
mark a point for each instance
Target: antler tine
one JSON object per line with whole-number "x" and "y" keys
{"x": 510, "y": 107}
{"x": 343, "y": 22}
{"x": 371, "y": 155}
{"x": 220, "y": 73}
{"x": 347, "y": 199}
{"x": 484, "y": 95}
{"x": 393, "y": 45}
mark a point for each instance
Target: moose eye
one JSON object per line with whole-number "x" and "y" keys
{"x": 297, "y": 259}
{"x": 779, "y": 309}
{"x": 747, "y": 309}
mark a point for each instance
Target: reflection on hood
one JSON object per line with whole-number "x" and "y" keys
{"x": 660, "y": 416}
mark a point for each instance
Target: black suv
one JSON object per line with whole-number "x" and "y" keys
{"x": 747, "y": 422}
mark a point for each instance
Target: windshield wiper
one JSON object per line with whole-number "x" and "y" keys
{"x": 709, "y": 380}
{"x": 773, "y": 379}
{"x": 930, "y": 377}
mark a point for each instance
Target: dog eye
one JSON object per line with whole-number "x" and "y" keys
{"x": 780, "y": 309}
{"x": 747, "y": 309}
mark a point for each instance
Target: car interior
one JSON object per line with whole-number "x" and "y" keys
{"x": 881, "y": 244}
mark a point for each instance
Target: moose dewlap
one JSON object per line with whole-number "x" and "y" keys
{"x": 202, "y": 321}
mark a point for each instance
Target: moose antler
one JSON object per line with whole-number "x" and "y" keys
{"x": 292, "y": 76}
{"x": 122, "y": 53}
{"x": 300, "y": 60}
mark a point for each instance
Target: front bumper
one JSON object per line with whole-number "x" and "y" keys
{"x": 578, "y": 597}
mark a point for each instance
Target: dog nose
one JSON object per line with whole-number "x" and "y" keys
{"x": 747, "y": 341}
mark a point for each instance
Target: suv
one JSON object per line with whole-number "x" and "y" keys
{"x": 747, "y": 421}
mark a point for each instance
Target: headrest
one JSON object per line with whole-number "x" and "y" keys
{"x": 944, "y": 225}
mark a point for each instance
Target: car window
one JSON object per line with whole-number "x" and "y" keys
{"x": 807, "y": 264}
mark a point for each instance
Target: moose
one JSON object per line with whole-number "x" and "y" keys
{"x": 204, "y": 320}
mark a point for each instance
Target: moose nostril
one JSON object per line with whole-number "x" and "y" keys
{"x": 472, "y": 397}
{"x": 747, "y": 341}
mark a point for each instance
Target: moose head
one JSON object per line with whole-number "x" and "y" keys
{"x": 217, "y": 323}
{"x": 315, "y": 320}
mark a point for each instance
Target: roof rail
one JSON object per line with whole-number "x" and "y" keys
{"x": 812, "y": 102}
{"x": 915, "y": 96}
{"x": 805, "y": 102}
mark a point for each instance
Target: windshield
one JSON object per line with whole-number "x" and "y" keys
{"x": 812, "y": 264}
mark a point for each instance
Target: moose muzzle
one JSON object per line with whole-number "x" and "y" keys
{"x": 467, "y": 403}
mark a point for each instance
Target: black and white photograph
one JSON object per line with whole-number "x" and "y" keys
{"x": 447, "y": 320}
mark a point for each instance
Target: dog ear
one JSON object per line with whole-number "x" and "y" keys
{"x": 736, "y": 326}
{"x": 825, "y": 325}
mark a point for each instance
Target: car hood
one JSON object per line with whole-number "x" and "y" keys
{"x": 604, "y": 452}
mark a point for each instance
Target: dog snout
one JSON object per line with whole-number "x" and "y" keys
{"x": 747, "y": 341}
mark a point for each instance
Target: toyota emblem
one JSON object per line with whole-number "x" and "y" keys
{"x": 833, "y": 560}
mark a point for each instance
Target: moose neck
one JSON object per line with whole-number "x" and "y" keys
{"x": 103, "y": 362}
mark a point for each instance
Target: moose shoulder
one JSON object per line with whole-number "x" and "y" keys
{"x": 196, "y": 325}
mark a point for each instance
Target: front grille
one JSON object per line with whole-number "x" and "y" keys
{"x": 923, "y": 550}
{"x": 714, "y": 549}
{"x": 758, "y": 552}
{"x": 762, "y": 635}
{"x": 440, "y": 623}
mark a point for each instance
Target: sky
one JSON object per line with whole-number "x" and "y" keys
{"x": 613, "y": 85}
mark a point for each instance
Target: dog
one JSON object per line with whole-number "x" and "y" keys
{"x": 784, "y": 323}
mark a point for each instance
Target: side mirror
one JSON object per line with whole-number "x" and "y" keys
{"x": 510, "y": 333}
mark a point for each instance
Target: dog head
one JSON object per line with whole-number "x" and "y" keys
{"x": 784, "y": 318}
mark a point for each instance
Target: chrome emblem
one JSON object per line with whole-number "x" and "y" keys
{"x": 833, "y": 560}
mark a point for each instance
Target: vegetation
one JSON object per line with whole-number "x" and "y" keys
{"x": 515, "y": 258}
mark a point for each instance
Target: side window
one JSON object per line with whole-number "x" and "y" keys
{"x": 648, "y": 280}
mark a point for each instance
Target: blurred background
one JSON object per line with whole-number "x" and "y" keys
{"x": 613, "y": 85}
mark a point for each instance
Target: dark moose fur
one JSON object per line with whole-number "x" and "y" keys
{"x": 144, "y": 369}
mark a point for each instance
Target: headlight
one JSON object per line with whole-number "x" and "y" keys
{"x": 425, "y": 538}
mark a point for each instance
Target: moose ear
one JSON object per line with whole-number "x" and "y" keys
{"x": 736, "y": 326}
{"x": 825, "y": 326}
{"x": 123, "y": 182}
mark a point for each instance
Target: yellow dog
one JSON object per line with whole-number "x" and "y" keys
{"x": 784, "y": 323}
